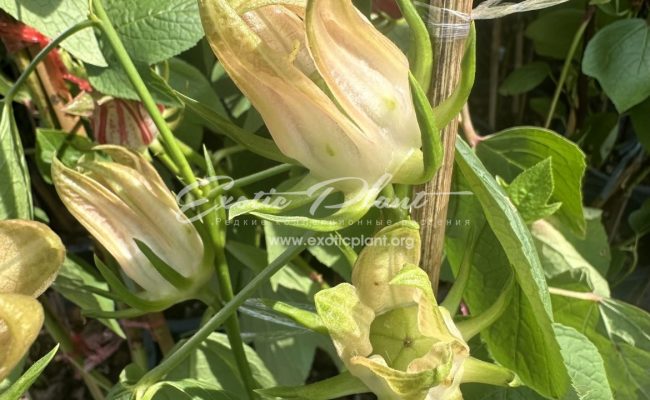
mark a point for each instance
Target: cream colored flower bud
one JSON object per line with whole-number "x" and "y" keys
{"x": 333, "y": 91}
{"x": 21, "y": 318}
{"x": 30, "y": 257}
{"x": 125, "y": 200}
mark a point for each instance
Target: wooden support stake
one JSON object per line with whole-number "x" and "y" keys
{"x": 432, "y": 216}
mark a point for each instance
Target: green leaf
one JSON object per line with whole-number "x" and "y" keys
{"x": 6, "y": 84}
{"x": 619, "y": 331}
{"x": 532, "y": 189}
{"x": 289, "y": 354}
{"x": 15, "y": 189}
{"x": 558, "y": 255}
{"x": 76, "y": 284}
{"x": 66, "y": 147}
{"x": 53, "y": 18}
{"x": 553, "y": 31}
{"x": 618, "y": 56}
{"x": 18, "y": 389}
{"x": 525, "y": 79}
{"x": 599, "y": 136}
{"x": 510, "y": 152}
{"x": 333, "y": 388}
{"x": 187, "y": 389}
{"x": 585, "y": 365}
{"x": 485, "y": 392}
{"x": 113, "y": 81}
{"x": 188, "y": 80}
{"x": 523, "y": 339}
{"x": 153, "y": 31}
{"x": 220, "y": 124}
{"x": 640, "y": 115}
{"x": 640, "y": 219}
{"x": 594, "y": 246}
{"x": 542, "y": 105}
{"x": 213, "y": 363}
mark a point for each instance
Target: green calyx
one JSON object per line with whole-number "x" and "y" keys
{"x": 396, "y": 337}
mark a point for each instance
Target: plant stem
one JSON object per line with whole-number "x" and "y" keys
{"x": 472, "y": 138}
{"x": 60, "y": 335}
{"x": 455, "y": 295}
{"x": 159, "y": 372}
{"x": 390, "y": 213}
{"x": 473, "y": 326}
{"x": 178, "y": 156}
{"x": 41, "y": 56}
{"x": 145, "y": 96}
{"x": 250, "y": 179}
{"x": 565, "y": 70}
{"x": 159, "y": 151}
{"x": 160, "y": 331}
{"x": 38, "y": 96}
{"x": 587, "y": 296}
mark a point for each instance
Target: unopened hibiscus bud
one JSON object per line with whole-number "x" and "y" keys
{"x": 123, "y": 122}
{"x": 125, "y": 204}
{"x": 333, "y": 91}
{"x": 387, "y": 327}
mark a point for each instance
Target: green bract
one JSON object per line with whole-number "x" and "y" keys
{"x": 387, "y": 327}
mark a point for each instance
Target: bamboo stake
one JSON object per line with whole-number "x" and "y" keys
{"x": 433, "y": 215}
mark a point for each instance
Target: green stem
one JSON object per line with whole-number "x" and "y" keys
{"x": 250, "y": 179}
{"x": 159, "y": 152}
{"x": 215, "y": 222}
{"x": 565, "y": 70}
{"x": 159, "y": 372}
{"x": 477, "y": 371}
{"x": 219, "y": 155}
{"x": 41, "y": 56}
{"x": 61, "y": 336}
{"x": 307, "y": 269}
{"x": 394, "y": 214}
{"x": 421, "y": 51}
{"x": 177, "y": 155}
{"x": 473, "y": 326}
{"x": 193, "y": 156}
{"x": 586, "y": 296}
{"x": 145, "y": 96}
{"x": 455, "y": 295}
{"x": 233, "y": 330}
{"x": 37, "y": 94}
